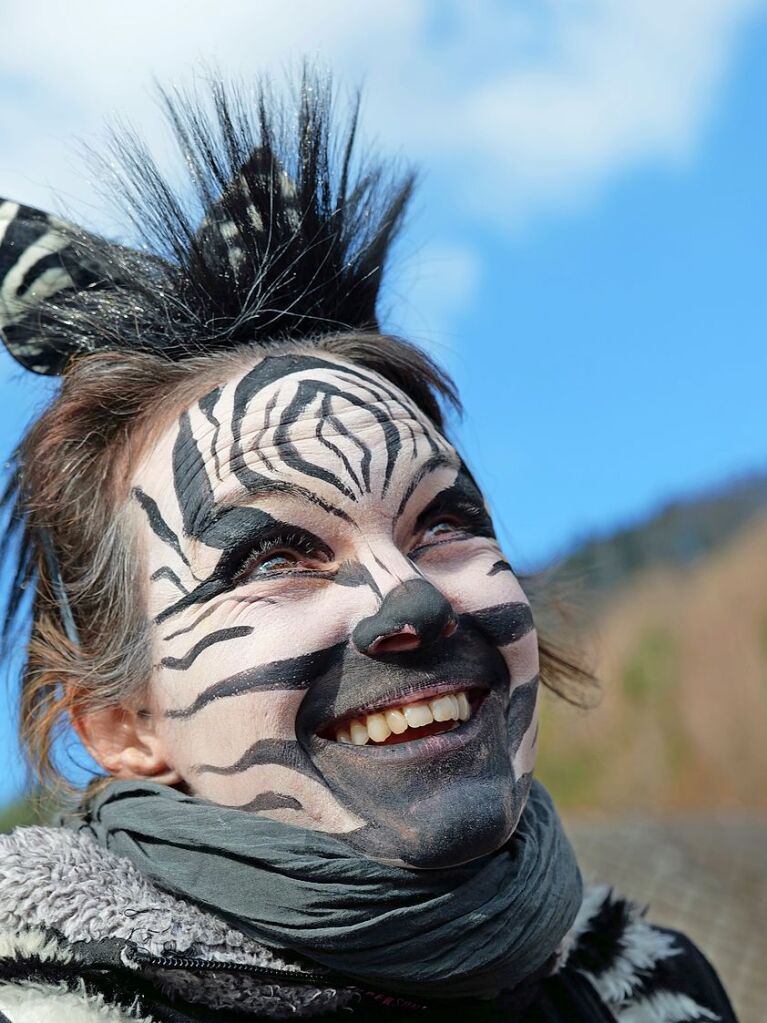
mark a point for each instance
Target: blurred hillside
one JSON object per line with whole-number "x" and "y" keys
{"x": 675, "y": 620}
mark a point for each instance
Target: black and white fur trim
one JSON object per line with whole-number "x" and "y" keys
{"x": 633, "y": 965}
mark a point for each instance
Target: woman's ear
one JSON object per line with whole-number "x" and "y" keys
{"x": 125, "y": 743}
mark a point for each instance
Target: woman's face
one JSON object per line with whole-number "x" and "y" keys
{"x": 338, "y": 641}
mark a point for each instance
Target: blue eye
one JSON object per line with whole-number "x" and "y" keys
{"x": 442, "y": 528}
{"x": 275, "y": 563}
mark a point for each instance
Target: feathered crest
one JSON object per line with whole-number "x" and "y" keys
{"x": 277, "y": 232}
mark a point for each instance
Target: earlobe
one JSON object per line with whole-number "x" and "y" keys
{"x": 125, "y": 743}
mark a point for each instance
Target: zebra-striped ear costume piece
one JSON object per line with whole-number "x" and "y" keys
{"x": 39, "y": 263}
{"x": 277, "y": 232}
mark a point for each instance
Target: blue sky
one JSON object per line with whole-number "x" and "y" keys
{"x": 587, "y": 252}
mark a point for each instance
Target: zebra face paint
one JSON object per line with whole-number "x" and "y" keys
{"x": 338, "y": 641}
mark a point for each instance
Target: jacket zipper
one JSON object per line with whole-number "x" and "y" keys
{"x": 287, "y": 977}
{"x": 190, "y": 963}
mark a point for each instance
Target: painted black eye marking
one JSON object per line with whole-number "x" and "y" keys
{"x": 282, "y": 538}
{"x": 463, "y": 501}
{"x": 500, "y": 566}
{"x": 437, "y": 461}
{"x": 220, "y": 636}
{"x": 167, "y": 573}
{"x": 158, "y": 525}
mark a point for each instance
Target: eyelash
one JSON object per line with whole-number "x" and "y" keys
{"x": 271, "y": 546}
{"x": 469, "y": 520}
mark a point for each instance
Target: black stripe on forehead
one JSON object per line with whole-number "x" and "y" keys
{"x": 214, "y": 526}
{"x": 307, "y": 392}
{"x": 276, "y": 367}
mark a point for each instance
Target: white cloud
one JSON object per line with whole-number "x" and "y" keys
{"x": 514, "y": 108}
{"x": 616, "y": 85}
{"x": 547, "y": 99}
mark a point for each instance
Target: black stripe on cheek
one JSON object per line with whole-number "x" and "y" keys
{"x": 269, "y": 801}
{"x": 157, "y": 523}
{"x": 504, "y": 623}
{"x": 294, "y": 673}
{"x": 282, "y": 752}
{"x": 500, "y": 566}
{"x": 233, "y": 531}
{"x": 521, "y": 711}
{"x": 221, "y": 636}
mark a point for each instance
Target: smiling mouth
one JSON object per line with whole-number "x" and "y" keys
{"x": 406, "y": 720}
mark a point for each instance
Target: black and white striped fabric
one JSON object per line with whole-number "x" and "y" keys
{"x": 39, "y": 263}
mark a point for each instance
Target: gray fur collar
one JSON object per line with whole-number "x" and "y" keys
{"x": 54, "y": 879}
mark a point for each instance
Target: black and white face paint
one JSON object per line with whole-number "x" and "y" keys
{"x": 339, "y": 643}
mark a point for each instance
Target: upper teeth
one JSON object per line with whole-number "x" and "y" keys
{"x": 379, "y": 725}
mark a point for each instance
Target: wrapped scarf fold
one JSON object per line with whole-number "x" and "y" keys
{"x": 466, "y": 931}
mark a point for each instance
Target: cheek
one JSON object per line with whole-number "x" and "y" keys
{"x": 277, "y": 632}
{"x": 472, "y": 575}
{"x": 221, "y": 732}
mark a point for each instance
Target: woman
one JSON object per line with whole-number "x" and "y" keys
{"x": 268, "y": 595}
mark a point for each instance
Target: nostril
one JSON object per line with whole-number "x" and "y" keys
{"x": 405, "y": 638}
{"x": 414, "y": 614}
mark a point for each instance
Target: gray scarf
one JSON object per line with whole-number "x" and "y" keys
{"x": 472, "y": 930}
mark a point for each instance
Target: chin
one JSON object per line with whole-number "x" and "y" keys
{"x": 463, "y": 823}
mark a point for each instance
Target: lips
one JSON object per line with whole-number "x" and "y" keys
{"x": 407, "y": 717}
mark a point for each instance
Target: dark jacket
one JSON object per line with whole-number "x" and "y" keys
{"x": 84, "y": 937}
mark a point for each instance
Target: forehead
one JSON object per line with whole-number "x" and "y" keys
{"x": 299, "y": 423}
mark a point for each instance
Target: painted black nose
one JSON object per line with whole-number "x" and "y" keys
{"x": 414, "y": 614}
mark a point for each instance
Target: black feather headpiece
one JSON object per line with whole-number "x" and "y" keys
{"x": 277, "y": 232}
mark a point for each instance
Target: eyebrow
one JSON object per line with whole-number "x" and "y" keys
{"x": 264, "y": 487}
{"x": 438, "y": 461}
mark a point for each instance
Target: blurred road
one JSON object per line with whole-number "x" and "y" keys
{"x": 706, "y": 877}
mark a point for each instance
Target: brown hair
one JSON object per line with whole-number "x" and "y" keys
{"x": 76, "y": 464}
